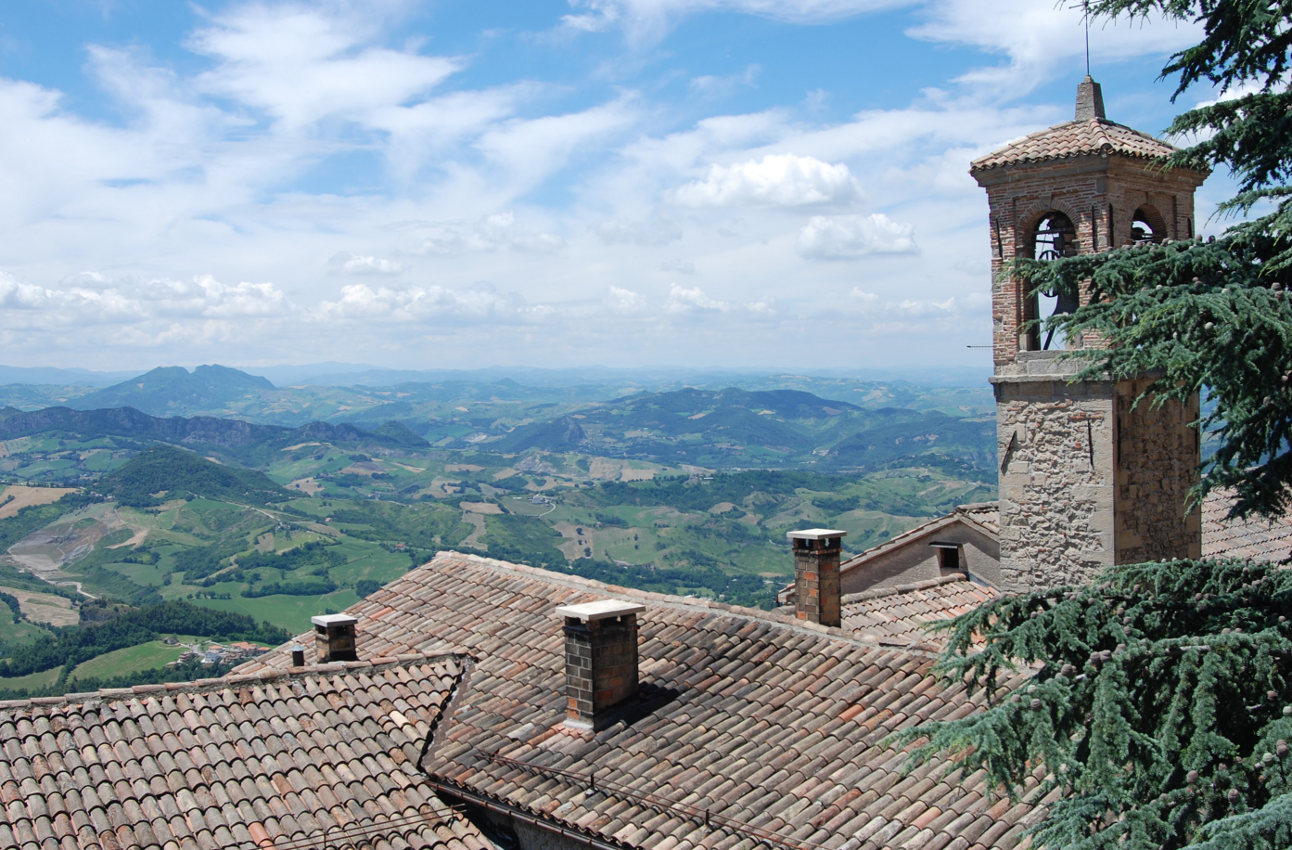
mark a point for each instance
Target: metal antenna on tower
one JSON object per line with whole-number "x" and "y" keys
{"x": 1085, "y": 22}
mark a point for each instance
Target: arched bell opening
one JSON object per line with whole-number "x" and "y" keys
{"x": 1053, "y": 236}
{"x": 1147, "y": 226}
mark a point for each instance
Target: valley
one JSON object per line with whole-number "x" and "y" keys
{"x": 686, "y": 491}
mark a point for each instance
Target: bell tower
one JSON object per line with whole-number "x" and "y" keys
{"x": 1085, "y": 480}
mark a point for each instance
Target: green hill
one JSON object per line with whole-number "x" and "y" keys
{"x": 173, "y": 389}
{"x": 163, "y": 472}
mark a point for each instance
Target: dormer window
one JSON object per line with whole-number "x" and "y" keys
{"x": 950, "y": 557}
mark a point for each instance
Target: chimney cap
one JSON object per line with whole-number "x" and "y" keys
{"x": 602, "y": 609}
{"x": 815, "y": 534}
{"x": 326, "y": 620}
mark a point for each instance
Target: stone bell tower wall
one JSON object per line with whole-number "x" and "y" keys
{"x": 1057, "y": 480}
{"x": 1153, "y": 490}
{"x": 1070, "y": 503}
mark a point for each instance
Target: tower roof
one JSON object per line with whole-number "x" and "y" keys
{"x": 1090, "y": 133}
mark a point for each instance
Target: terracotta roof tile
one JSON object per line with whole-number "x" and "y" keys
{"x": 774, "y": 727}
{"x": 237, "y": 771}
{"x": 1093, "y": 137}
{"x": 900, "y": 615}
{"x": 1256, "y": 538}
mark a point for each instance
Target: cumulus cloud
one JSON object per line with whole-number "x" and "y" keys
{"x": 625, "y": 301}
{"x": 92, "y": 298}
{"x": 358, "y": 264}
{"x": 427, "y": 303}
{"x": 682, "y": 300}
{"x": 848, "y": 237}
{"x": 497, "y": 232}
{"x": 775, "y": 180}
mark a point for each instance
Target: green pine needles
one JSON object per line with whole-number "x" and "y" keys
{"x": 1157, "y": 701}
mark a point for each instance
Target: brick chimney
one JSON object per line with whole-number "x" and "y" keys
{"x": 600, "y": 659}
{"x": 334, "y": 637}
{"x": 816, "y": 575}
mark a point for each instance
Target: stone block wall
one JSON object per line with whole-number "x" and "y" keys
{"x": 1156, "y": 465}
{"x": 1056, "y": 481}
{"x": 1088, "y": 480}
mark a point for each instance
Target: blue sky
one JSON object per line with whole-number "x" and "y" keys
{"x": 709, "y": 183}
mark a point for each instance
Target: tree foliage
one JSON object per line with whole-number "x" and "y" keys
{"x": 1158, "y": 699}
{"x": 1156, "y": 703}
{"x": 1212, "y": 316}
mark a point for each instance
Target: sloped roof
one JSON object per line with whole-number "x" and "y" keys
{"x": 1092, "y": 137}
{"x": 749, "y": 726}
{"x": 984, "y": 517}
{"x": 898, "y": 615}
{"x": 1256, "y": 538}
{"x": 322, "y": 756}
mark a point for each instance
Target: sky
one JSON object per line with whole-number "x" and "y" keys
{"x": 748, "y": 184}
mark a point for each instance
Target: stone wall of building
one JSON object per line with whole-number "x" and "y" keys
{"x": 1152, "y": 491}
{"x": 1088, "y": 479}
{"x": 1056, "y": 480}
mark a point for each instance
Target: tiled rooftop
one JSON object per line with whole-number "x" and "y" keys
{"x": 1256, "y": 537}
{"x": 750, "y": 726}
{"x": 314, "y": 757}
{"x": 898, "y": 615}
{"x": 1092, "y": 137}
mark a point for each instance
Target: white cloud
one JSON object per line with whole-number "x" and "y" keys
{"x": 347, "y": 263}
{"x": 682, "y": 300}
{"x": 851, "y": 236}
{"x": 497, "y": 232}
{"x": 93, "y": 298}
{"x": 361, "y": 302}
{"x": 775, "y": 180}
{"x": 1035, "y": 38}
{"x": 646, "y": 21}
{"x": 625, "y": 301}
{"x": 710, "y": 85}
{"x": 300, "y": 65}
{"x": 621, "y": 231}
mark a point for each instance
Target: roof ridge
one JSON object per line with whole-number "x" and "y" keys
{"x": 771, "y": 618}
{"x": 923, "y": 584}
{"x": 232, "y": 680}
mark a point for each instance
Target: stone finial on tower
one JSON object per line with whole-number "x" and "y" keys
{"x": 1090, "y": 100}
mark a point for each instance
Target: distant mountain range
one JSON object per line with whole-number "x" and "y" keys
{"x": 767, "y": 426}
{"x": 232, "y": 438}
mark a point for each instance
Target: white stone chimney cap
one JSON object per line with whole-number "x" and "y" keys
{"x": 602, "y": 609}
{"x": 815, "y": 534}
{"x": 326, "y": 620}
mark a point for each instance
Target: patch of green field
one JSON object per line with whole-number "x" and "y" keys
{"x": 132, "y": 659}
{"x": 290, "y": 612}
{"x": 14, "y": 634}
{"x": 32, "y": 682}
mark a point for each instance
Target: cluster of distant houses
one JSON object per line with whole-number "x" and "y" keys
{"x": 219, "y": 653}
